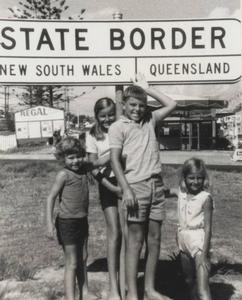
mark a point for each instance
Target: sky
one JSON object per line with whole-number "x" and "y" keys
{"x": 141, "y": 10}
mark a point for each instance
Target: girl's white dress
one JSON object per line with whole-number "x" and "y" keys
{"x": 191, "y": 233}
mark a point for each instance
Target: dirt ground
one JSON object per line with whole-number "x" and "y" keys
{"x": 31, "y": 267}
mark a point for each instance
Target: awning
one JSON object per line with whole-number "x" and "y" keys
{"x": 190, "y": 103}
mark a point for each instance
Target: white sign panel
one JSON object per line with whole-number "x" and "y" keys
{"x": 110, "y": 52}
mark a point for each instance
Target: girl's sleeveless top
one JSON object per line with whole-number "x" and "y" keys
{"x": 74, "y": 197}
{"x": 190, "y": 211}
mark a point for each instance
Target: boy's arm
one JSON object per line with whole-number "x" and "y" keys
{"x": 92, "y": 165}
{"x": 101, "y": 161}
{"x": 128, "y": 195}
{"x": 168, "y": 104}
{"x": 170, "y": 192}
{"x": 56, "y": 189}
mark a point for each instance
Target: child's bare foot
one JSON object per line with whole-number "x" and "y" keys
{"x": 131, "y": 297}
{"x": 153, "y": 295}
{"x": 87, "y": 295}
{"x": 113, "y": 296}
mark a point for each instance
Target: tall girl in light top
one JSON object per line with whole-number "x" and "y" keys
{"x": 97, "y": 146}
{"x": 195, "y": 210}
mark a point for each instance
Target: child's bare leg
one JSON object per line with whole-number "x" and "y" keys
{"x": 81, "y": 273}
{"x": 202, "y": 271}
{"x": 189, "y": 272}
{"x": 153, "y": 244}
{"x": 113, "y": 250}
{"x": 134, "y": 245}
{"x": 70, "y": 252}
{"x": 124, "y": 230}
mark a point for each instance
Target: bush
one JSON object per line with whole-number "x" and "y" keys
{"x": 25, "y": 271}
{"x": 5, "y": 267}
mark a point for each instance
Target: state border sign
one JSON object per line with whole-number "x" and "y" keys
{"x": 189, "y": 51}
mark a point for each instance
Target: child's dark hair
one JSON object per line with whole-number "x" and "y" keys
{"x": 69, "y": 145}
{"x": 135, "y": 92}
{"x": 194, "y": 164}
{"x": 100, "y": 104}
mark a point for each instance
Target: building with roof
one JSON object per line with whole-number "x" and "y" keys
{"x": 38, "y": 123}
{"x": 192, "y": 126}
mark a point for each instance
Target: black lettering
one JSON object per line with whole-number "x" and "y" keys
{"x": 22, "y": 69}
{"x": 94, "y": 70}
{"x": 3, "y": 70}
{"x": 116, "y": 35}
{"x": 9, "y": 38}
{"x": 46, "y": 70}
{"x": 70, "y": 70}
{"x": 217, "y": 68}
{"x": 117, "y": 70}
{"x": 109, "y": 70}
{"x": 196, "y": 37}
{"x": 27, "y": 31}
{"x": 176, "y": 69}
{"x": 62, "y": 40}
{"x": 226, "y": 68}
{"x": 142, "y": 38}
{"x": 168, "y": 69}
{"x": 12, "y": 70}
{"x": 45, "y": 39}
{"x": 193, "y": 69}
{"x": 209, "y": 69}
{"x": 86, "y": 69}
{"x": 185, "y": 68}
{"x": 217, "y": 36}
{"x": 200, "y": 69}
{"x": 174, "y": 42}
{"x": 158, "y": 38}
{"x": 54, "y": 70}
{"x": 38, "y": 70}
{"x": 80, "y": 39}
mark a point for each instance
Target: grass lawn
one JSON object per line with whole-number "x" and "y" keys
{"x": 31, "y": 267}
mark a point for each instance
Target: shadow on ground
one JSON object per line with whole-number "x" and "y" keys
{"x": 170, "y": 281}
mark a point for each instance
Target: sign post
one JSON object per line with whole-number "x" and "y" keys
{"x": 119, "y": 111}
{"x": 118, "y": 88}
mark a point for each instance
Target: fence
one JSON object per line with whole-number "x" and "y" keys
{"x": 7, "y": 142}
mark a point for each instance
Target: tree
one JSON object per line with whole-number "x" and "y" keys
{"x": 39, "y": 95}
{"x": 42, "y": 9}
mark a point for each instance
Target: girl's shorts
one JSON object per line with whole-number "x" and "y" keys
{"x": 108, "y": 198}
{"x": 71, "y": 231}
{"x": 190, "y": 241}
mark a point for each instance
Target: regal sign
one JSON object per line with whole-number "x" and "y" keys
{"x": 110, "y": 52}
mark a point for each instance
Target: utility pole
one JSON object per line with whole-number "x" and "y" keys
{"x": 6, "y": 99}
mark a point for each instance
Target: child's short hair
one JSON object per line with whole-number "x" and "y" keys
{"x": 135, "y": 92}
{"x": 69, "y": 145}
{"x": 194, "y": 164}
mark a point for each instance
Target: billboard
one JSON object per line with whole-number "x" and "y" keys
{"x": 188, "y": 51}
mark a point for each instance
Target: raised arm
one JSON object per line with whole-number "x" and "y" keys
{"x": 168, "y": 104}
{"x": 50, "y": 203}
